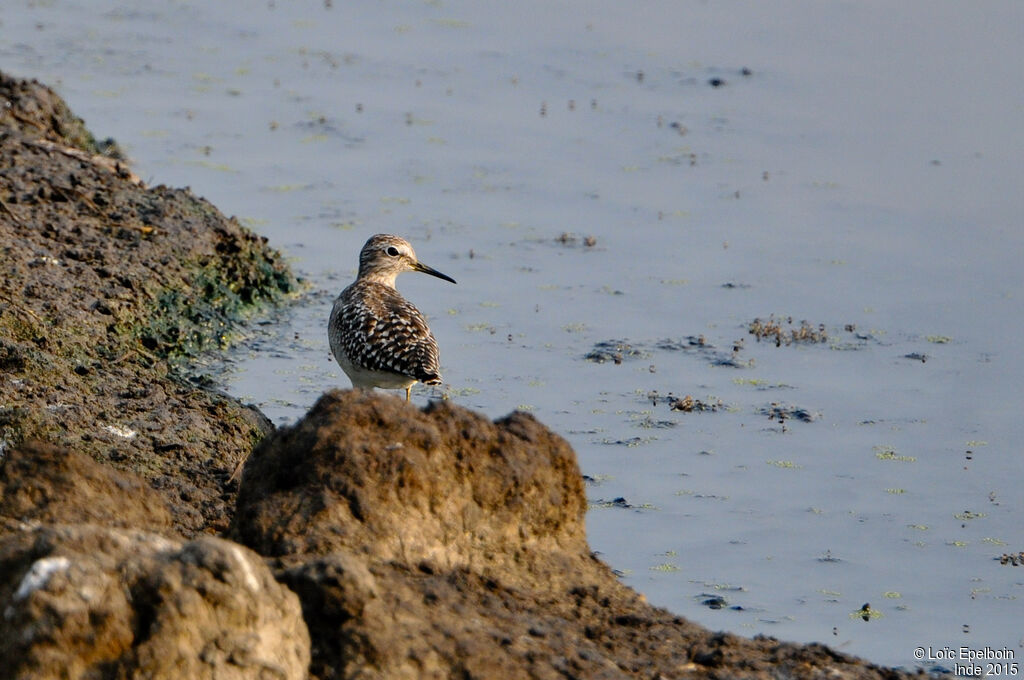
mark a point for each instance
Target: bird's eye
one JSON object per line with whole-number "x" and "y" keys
{"x": 392, "y": 251}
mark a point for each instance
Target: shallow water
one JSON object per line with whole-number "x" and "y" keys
{"x": 865, "y": 173}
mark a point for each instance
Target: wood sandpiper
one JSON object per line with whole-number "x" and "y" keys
{"x": 377, "y": 336}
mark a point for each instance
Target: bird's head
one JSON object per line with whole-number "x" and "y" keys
{"x": 385, "y": 256}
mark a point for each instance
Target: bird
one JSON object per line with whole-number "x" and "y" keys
{"x": 377, "y": 336}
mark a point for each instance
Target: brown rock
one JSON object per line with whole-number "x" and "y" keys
{"x": 44, "y": 483}
{"x": 88, "y": 602}
{"x": 437, "y": 544}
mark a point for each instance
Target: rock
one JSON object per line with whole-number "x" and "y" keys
{"x": 434, "y": 544}
{"x": 89, "y": 602}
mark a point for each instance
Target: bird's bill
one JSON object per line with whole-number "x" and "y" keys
{"x": 430, "y": 270}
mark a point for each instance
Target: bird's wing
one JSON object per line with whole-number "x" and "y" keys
{"x": 380, "y": 330}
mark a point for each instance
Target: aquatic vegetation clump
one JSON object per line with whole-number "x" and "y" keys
{"x": 784, "y": 332}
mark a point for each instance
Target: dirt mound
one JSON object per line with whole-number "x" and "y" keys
{"x": 42, "y": 483}
{"x": 92, "y": 602}
{"x": 103, "y": 280}
{"x": 444, "y": 486}
{"x": 437, "y": 544}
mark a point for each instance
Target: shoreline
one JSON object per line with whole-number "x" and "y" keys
{"x": 418, "y": 542}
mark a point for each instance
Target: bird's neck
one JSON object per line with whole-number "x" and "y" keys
{"x": 385, "y": 278}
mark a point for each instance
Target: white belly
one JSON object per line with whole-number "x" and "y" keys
{"x": 364, "y": 379}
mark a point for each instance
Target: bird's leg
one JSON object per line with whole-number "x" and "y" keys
{"x": 408, "y": 392}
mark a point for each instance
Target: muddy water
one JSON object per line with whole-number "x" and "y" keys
{"x": 853, "y": 168}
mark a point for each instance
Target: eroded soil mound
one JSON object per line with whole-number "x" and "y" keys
{"x": 103, "y": 280}
{"x": 92, "y": 602}
{"x": 434, "y": 543}
{"x": 41, "y": 483}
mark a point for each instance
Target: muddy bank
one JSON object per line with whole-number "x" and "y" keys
{"x": 370, "y": 540}
{"x": 106, "y": 282}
